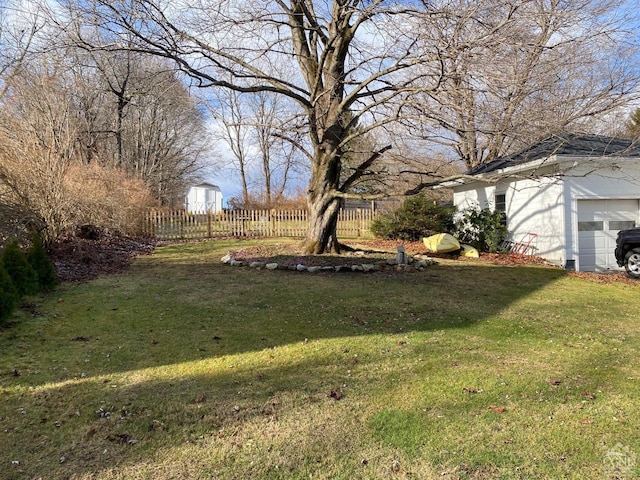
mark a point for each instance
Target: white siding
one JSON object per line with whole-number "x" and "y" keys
{"x": 204, "y": 198}
{"x": 549, "y": 207}
{"x": 473, "y": 196}
{"x": 536, "y": 206}
{"x": 532, "y": 206}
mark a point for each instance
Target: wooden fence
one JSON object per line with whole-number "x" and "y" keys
{"x": 179, "y": 225}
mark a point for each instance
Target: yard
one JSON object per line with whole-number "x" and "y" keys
{"x": 182, "y": 367}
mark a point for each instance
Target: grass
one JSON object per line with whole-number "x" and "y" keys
{"x": 187, "y": 368}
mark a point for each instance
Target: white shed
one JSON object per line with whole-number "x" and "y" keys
{"x": 203, "y": 198}
{"x": 568, "y": 196}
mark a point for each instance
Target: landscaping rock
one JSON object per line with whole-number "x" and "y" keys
{"x": 401, "y": 263}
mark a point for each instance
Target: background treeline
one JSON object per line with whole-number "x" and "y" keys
{"x": 93, "y": 138}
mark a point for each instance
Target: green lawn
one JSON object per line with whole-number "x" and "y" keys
{"x": 187, "y": 368}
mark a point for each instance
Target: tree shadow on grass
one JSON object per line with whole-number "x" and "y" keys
{"x": 184, "y": 312}
{"x": 167, "y": 325}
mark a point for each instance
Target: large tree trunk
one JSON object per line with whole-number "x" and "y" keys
{"x": 323, "y": 202}
{"x": 323, "y": 220}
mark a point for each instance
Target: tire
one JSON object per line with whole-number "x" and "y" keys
{"x": 632, "y": 263}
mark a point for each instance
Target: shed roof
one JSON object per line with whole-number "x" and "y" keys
{"x": 205, "y": 184}
{"x": 569, "y": 144}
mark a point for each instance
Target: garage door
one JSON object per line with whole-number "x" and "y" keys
{"x": 599, "y": 222}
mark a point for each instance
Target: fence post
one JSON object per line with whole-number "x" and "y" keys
{"x": 151, "y": 230}
{"x": 272, "y": 221}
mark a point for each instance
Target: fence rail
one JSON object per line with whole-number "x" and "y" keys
{"x": 180, "y": 225}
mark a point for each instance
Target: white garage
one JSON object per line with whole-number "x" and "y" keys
{"x": 571, "y": 193}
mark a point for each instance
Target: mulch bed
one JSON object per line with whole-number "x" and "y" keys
{"x": 414, "y": 248}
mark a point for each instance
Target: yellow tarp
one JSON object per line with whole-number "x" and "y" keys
{"x": 441, "y": 243}
{"x": 469, "y": 251}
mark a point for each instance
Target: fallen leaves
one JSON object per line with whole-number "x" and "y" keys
{"x": 590, "y": 396}
{"x": 79, "y": 259}
{"x": 496, "y": 409}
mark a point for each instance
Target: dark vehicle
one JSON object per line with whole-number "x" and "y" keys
{"x": 628, "y": 251}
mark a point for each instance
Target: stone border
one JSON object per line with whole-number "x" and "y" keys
{"x": 417, "y": 263}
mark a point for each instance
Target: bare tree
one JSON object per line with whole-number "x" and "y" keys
{"x": 140, "y": 118}
{"x": 479, "y": 71}
{"x": 20, "y": 27}
{"x": 233, "y": 130}
{"x": 263, "y": 142}
{"x": 38, "y": 144}
{"x": 164, "y": 139}
{"x": 275, "y": 136}
{"x": 348, "y": 56}
{"x": 276, "y": 155}
{"x": 42, "y": 167}
{"x": 518, "y": 71}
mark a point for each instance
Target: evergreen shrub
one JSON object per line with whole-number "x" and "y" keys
{"x": 40, "y": 262}
{"x": 24, "y": 277}
{"x": 8, "y": 295}
{"x": 484, "y": 229}
{"x": 417, "y": 217}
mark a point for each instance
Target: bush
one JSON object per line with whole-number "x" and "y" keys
{"x": 484, "y": 229}
{"x": 107, "y": 198}
{"x": 8, "y": 295}
{"x": 39, "y": 261}
{"x": 24, "y": 277}
{"x": 73, "y": 194}
{"x": 417, "y": 217}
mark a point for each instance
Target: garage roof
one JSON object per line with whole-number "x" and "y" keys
{"x": 570, "y": 144}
